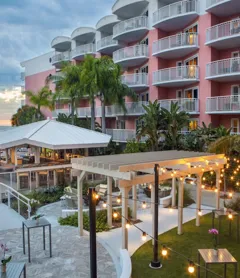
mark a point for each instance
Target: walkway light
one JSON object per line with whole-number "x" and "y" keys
{"x": 200, "y": 212}
{"x": 96, "y": 196}
{"x": 104, "y": 204}
{"x": 144, "y": 236}
{"x": 115, "y": 214}
{"x": 191, "y": 267}
{"x": 144, "y": 205}
{"x": 128, "y": 225}
{"x": 170, "y": 209}
{"x": 230, "y": 216}
{"x": 164, "y": 251}
{"x": 118, "y": 200}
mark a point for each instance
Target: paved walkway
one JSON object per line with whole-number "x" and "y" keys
{"x": 9, "y": 218}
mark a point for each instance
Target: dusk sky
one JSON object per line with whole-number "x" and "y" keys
{"x": 26, "y": 30}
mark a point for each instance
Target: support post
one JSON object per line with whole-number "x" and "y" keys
{"x": 18, "y": 181}
{"x": 124, "y": 191}
{"x": 134, "y": 202}
{"x": 7, "y": 156}
{"x": 218, "y": 177}
{"x": 180, "y": 206}
{"x": 1, "y": 192}
{"x": 152, "y": 198}
{"x": 15, "y": 157}
{"x": 80, "y": 179}
{"x": 109, "y": 201}
{"x": 65, "y": 155}
{"x": 86, "y": 153}
{"x": 199, "y": 199}
{"x": 55, "y": 178}
{"x": 48, "y": 179}
{"x": 93, "y": 240}
{"x": 30, "y": 181}
{"x": 155, "y": 263}
{"x": 37, "y": 179}
{"x": 174, "y": 192}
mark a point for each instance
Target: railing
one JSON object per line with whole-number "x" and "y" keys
{"x": 132, "y": 108}
{"x": 189, "y": 105}
{"x": 84, "y": 112}
{"x": 223, "y": 67}
{"x": 105, "y": 42}
{"x": 140, "y": 50}
{"x": 57, "y": 76}
{"x": 63, "y": 111}
{"x": 122, "y": 135}
{"x": 60, "y": 57}
{"x": 176, "y": 41}
{"x": 130, "y": 25}
{"x": 223, "y": 104}
{"x": 175, "y": 9}
{"x": 83, "y": 50}
{"x": 10, "y": 192}
{"x": 136, "y": 79}
{"x": 223, "y": 30}
{"x": 176, "y": 74}
{"x": 214, "y": 2}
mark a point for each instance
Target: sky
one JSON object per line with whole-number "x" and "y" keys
{"x": 27, "y": 28}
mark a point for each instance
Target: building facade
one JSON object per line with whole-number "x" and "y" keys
{"x": 182, "y": 51}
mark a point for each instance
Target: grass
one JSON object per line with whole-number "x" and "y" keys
{"x": 194, "y": 238}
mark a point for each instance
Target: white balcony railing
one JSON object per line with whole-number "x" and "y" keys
{"x": 122, "y": 135}
{"x": 61, "y": 57}
{"x": 105, "y": 42}
{"x": 83, "y": 50}
{"x": 83, "y": 112}
{"x": 224, "y": 30}
{"x": 223, "y": 67}
{"x": 136, "y": 79}
{"x": 132, "y": 108}
{"x": 176, "y": 74}
{"x": 175, "y": 9}
{"x": 65, "y": 111}
{"x": 129, "y": 25}
{"x": 211, "y": 3}
{"x": 223, "y": 104}
{"x": 190, "y": 105}
{"x": 176, "y": 41}
{"x": 136, "y": 51}
{"x": 57, "y": 77}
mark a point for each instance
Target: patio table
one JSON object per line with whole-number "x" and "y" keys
{"x": 14, "y": 270}
{"x": 223, "y": 257}
{"x": 32, "y": 224}
{"x": 221, "y": 214}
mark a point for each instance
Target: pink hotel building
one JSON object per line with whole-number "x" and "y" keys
{"x": 183, "y": 51}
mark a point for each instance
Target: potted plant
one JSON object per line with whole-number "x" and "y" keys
{"x": 214, "y": 233}
{"x": 5, "y": 259}
{"x": 37, "y": 217}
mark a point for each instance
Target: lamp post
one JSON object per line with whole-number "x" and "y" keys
{"x": 155, "y": 263}
{"x": 93, "y": 241}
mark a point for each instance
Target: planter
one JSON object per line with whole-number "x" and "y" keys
{"x": 4, "y": 268}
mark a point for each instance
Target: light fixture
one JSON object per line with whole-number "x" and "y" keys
{"x": 118, "y": 200}
{"x": 115, "y": 214}
{"x": 104, "y": 204}
{"x": 144, "y": 236}
{"x": 189, "y": 175}
{"x": 144, "y": 205}
{"x": 191, "y": 267}
{"x": 200, "y": 212}
{"x": 164, "y": 251}
{"x": 235, "y": 172}
{"x": 230, "y": 216}
{"x": 150, "y": 186}
{"x": 211, "y": 172}
{"x": 237, "y": 183}
{"x": 221, "y": 175}
{"x": 223, "y": 170}
{"x": 216, "y": 190}
{"x": 127, "y": 225}
{"x": 96, "y": 196}
{"x": 220, "y": 181}
{"x": 181, "y": 178}
{"x": 204, "y": 178}
{"x": 203, "y": 186}
{"x": 235, "y": 159}
{"x": 230, "y": 194}
{"x": 170, "y": 209}
{"x": 232, "y": 178}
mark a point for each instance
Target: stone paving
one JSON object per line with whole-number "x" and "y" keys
{"x": 70, "y": 254}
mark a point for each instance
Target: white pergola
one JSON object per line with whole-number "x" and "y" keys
{"x": 133, "y": 169}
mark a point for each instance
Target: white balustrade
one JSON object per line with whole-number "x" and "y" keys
{"x": 84, "y": 49}
{"x": 176, "y": 74}
{"x": 223, "y": 30}
{"x": 176, "y": 41}
{"x": 140, "y": 50}
{"x": 65, "y": 111}
{"x": 223, "y": 104}
{"x": 105, "y": 42}
{"x": 122, "y": 135}
{"x": 136, "y": 79}
{"x": 130, "y": 25}
{"x": 175, "y": 9}
{"x": 223, "y": 67}
{"x": 61, "y": 56}
{"x": 190, "y": 105}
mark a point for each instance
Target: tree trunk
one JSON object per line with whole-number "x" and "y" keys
{"x": 103, "y": 115}
{"x": 93, "y": 114}
{"x": 72, "y": 111}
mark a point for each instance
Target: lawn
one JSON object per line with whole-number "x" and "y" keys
{"x": 194, "y": 238}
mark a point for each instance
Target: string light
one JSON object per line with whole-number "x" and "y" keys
{"x": 115, "y": 214}
{"x": 118, "y": 200}
{"x": 223, "y": 170}
{"x": 237, "y": 183}
{"x": 128, "y": 225}
{"x": 211, "y": 172}
{"x": 216, "y": 190}
{"x": 191, "y": 267}
{"x": 170, "y": 209}
{"x": 203, "y": 186}
{"x": 230, "y": 194}
{"x": 96, "y": 196}
{"x": 144, "y": 205}
{"x": 220, "y": 181}
{"x": 230, "y": 216}
{"x": 232, "y": 178}
{"x": 204, "y": 178}
{"x": 144, "y": 236}
{"x": 189, "y": 175}
{"x": 164, "y": 251}
{"x": 104, "y": 204}
{"x": 200, "y": 212}
{"x": 150, "y": 186}
{"x": 221, "y": 175}
{"x": 235, "y": 159}
{"x": 235, "y": 172}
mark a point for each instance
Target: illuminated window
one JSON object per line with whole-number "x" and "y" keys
{"x": 235, "y": 125}
{"x": 193, "y": 124}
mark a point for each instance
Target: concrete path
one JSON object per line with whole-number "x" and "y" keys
{"x": 9, "y": 218}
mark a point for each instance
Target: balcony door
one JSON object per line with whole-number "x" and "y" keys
{"x": 191, "y": 64}
{"x": 191, "y": 34}
{"x": 235, "y": 61}
{"x": 235, "y": 125}
{"x": 120, "y": 124}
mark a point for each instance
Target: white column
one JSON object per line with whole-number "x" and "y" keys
{"x": 1, "y": 191}
{"x": 218, "y": 177}
{"x": 124, "y": 191}
{"x": 198, "y": 199}
{"x": 18, "y": 181}
{"x": 15, "y": 157}
{"x": 55, "y": 178}
{"x": 180, "y": 206}
{"x": 53, "y": 155}
{"x": 86, "y": 152}
{"x": 48, "y": 179}
{"x": 37, "y": 179}
{"x": 65, "y": 155}
{"x": 80, "y": 205}
{"x": 109, "y": 201}
{"x": 30, "y": 181}
{"x": 37, "y": 155}
{"x": 7, "y": 156}
{"x": 174, "y": 192}
{"x": 134, "y": 202}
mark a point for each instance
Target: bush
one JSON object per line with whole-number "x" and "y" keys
{"x": 234, "y": 204}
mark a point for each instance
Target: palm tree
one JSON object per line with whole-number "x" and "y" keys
{"x": 42, "y": 98}
{"x": 227, "y": 144}
{"x": 150, "y": 125}
{"x": 174, "y": 120}
{"x": 26, "y": 115}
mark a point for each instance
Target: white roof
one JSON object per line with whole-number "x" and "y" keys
{"x": 53, "y": 135}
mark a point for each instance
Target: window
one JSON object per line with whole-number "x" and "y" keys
{"x": 235, "y": 92}
{"x": 191, "y": 93}
{"x": 144, "y": 97}
{"x": 235, "y": 54}
{"x": 193, "y": 124}
{"x": 179, "y": 94}
{"x": 235, "y": 125}
{"x": 120, "y": 124}
{"x": 144, "y": 69}
{"x": 192, "y": 29}
{"x": 145, "y": 41}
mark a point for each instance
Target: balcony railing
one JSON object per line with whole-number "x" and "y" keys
{"x": 211, "y": 3}
{"x": 190, "y": 105}
{"x": 223, "y": 67}
{"x": 57, "y": 77}
{"x": 136, "y": 51}
{"x": 136, "y": 79}
{"x": 83, "y": 50}
{"x": 105, "y": 42}
{"x": 61, "y": 57}
{"x": 224, "y": 30}
{"x": 122, "y": 135}
{"x": 175, "y": 9}
{"x": 176, "y": 41}
{"x": 132, "y": 108}
{"x": 130, "y": 25}
{"x": 65, "y": 111}
{"x": 176, "y": 74}
{"x": 223, "y": 104}
{"x": 83, "y": 112}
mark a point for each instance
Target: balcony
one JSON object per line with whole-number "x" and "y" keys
{"x": 84, "y": 112}
{"x": 57, "y": 77}
{"x": 107, "y": 45}
{"x": 105, "y": 24}
{"x": 176, "y": 46}
{"x": 223, "y": 105}
{"x": 83, "y": 35}
{"x": 225, "y": 35}
{"x": 223, "y": 7}
{"x": 176, "y": 77}
{"x": 122, "y": 135}
{"x": 137, "y": 81}
{"x": 190, "y": 105}
{"x": 65, "y": 111}
{"x": 176, "y": 16}
{"x": 80, "y": 51}
{"x": 131, "y": 56}
{"x": 61, "y": 43}
{"x": 61, "y": 57}
{"x": 131, "y": 30}
{"x": 132, "y": 109}
{"x": 129, "y": 8}
{"x": 224, "y": 70}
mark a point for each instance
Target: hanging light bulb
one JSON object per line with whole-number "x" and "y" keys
{"x": 170, "y": 209}
{"x": 144, "y": 236}
{"x": 211, "y": 172}
{"x": 235, "y": 159}
{"x": 172, "y": 174}
{"x": 204, "y": 178}
{"x": 189, "y": 175}
{"x": 235, "y": 172}
{"x": 104, "y": 204}
{"x": 216, "y": 190}
{"x": 96, "y": 196}
{"x": 115, "y": 214}
{"x": 164, "y": 251}
{"x": 118, "y": 200}
{"x": 220, "y": 181}
{"x": 144, "y": 205}
{"x": 150, "y": 186}
{"x": 203, "y": 169}
{"x": 237, "y": 183}
{"x": 230, "y": 194}
{"x": 181, "y": 178}
{"x": 211, "y": 168}
{"x": 221, "y": 175}
{"x": 191, "y": 182}
{"x": 128, "y": 225}
{"x": 203, "y": 186}
{"x": 223, "y": 170}
{"x": 191, "y": 267}
{"x": 217, "y": 163}
{"x": 230, "y": 216}
{"x": 232, "y": 178}
{"x": 200, "y": 212}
